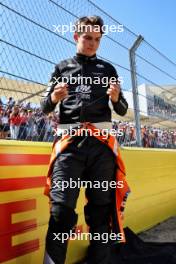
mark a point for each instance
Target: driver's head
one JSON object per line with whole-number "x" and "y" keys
{"x": 88, "y": 33}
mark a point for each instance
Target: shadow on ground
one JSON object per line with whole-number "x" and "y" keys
{"x": 138, "y": 251}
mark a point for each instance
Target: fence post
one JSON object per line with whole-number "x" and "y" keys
{"x": 132, "y": 51}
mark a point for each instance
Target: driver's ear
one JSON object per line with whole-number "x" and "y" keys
{"x": 75, "y": 36}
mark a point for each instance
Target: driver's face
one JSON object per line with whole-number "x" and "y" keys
{"x": 88, "y": 42}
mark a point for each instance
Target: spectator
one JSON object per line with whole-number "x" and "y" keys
{"x": 4, "y": 124}
{"x": 22, "y": 135}
{"x": 31, "y": 133}
{"x": 10, "y": 102}
{"x": 41, "y": 125}
{"x": 15, "y": 122}
{"x": 49, "y": 128}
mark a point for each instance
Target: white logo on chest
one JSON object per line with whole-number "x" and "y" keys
{"x": 100, "y": 66}
{"x": 83, "y": 89}
{"x": 83, "y": 92}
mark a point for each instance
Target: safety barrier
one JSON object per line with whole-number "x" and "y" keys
{"x": 24, "y": 210}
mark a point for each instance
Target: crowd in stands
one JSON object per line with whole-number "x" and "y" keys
{"x": 157, "y": 105}
{"x": 151, "y": 137}
{"x": 19, "y": 121}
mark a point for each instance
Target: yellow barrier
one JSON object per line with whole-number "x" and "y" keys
{"x": 24, "y": 210}
{"x": 152, "y": 177}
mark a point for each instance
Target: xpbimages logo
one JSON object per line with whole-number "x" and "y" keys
{"x": 106, "y": 29}
{"x": 105, "y": 132}
{"x": 104, "y": 237}
{"x": 72, "y": 184}
{"x": 88, "y": 80}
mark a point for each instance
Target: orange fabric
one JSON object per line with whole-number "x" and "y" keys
{"x": 111, "y": 141}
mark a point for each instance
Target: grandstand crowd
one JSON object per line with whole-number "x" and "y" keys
{"x": 162, "y": 108}
{"x": 20, "y": 121}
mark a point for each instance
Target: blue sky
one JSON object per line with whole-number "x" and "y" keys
{"x": 153, "y": 19}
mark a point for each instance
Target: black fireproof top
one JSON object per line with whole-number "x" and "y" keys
{"x": 88, "y": 80}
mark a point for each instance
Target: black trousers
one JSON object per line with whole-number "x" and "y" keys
{"x": 92, "y": 161}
